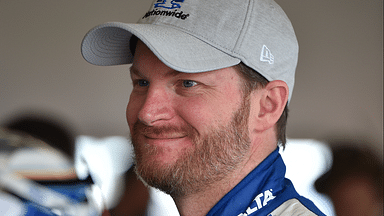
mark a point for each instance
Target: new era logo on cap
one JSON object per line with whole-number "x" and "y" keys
{"x": 266, "y": 55}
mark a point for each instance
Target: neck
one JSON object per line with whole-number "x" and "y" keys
{"x": 201, "y": 202}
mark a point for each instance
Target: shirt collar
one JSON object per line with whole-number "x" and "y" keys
{"x": 256, "y": 189}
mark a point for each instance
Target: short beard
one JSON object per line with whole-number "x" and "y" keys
{"x": 215, "y": 156}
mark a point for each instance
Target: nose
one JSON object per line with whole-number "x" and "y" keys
{"x": 157, "y": 107}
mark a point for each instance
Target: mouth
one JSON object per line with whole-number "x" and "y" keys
{"x": 165, "y": 136}
{"x": 168, "y": 141}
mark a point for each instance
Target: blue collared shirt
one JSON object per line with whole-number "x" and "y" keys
{"x": 265, "y": 191}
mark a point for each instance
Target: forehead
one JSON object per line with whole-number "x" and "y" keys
{"x": 145, "y": 59}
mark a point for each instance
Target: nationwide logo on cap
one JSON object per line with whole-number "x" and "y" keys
{"x": 168, "y": 5}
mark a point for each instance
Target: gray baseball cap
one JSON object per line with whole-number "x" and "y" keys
{"x": 195, "y": 36}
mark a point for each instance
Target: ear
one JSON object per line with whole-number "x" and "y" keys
{"x": 272, "y": 101}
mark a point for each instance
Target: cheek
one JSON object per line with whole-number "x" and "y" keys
{"x": 132, "y": 111}
{"x": 193, "y": 114}
{"x": 205, "y": 114}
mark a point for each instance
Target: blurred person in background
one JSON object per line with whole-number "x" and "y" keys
{"x": 38, "y": 152}
{"x": 39, "y": 176}
{"x": 354, "y": 182}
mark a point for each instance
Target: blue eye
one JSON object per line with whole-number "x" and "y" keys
{"x": 143, "y": 83}
{"x": 189, "y": 83}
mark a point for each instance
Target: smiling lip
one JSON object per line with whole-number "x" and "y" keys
{"x": 164, "y": 136}
{"x": 165, "y": 141}
{"x": 170, "y": 134}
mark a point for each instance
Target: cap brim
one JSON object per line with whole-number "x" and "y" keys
{"x": 108, "y": 44}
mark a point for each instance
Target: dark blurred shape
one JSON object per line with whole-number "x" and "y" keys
{"x": 135, "y": 198}
{"x": 355, "y": 181}
{"x": 46, "y": 128}
{"x": 38, "y": 167}
{"x": 54, "y": 132}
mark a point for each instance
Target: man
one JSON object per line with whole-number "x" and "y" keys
{"x": 211, "y": 83}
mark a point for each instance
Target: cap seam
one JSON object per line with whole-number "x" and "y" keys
{"x": 244, "y": 29}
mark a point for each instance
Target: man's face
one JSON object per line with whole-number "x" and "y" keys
{"x": 188, "y": 130}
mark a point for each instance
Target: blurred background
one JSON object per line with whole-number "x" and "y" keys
{"x": 339, "y": 83}
{"x": 338, "y": 94}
